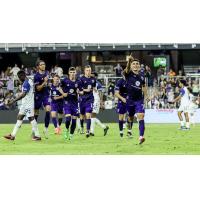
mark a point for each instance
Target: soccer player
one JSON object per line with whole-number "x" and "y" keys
{"x": 121, "y": 94}
{"x": 56, "y": 104}
{"x": 136, "y": 94}
{"x": 87, "y": 99}
{"x": 42, "y": 96}
{"x": 184, "y": 105}
{"x": 192, "y": 107}
{"x": 97, "y": 93}
{"x": 27, "y": 107}
{"x": 71, "y": 88}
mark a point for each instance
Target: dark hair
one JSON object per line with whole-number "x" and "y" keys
{"x": 21, "y": 72}
{"x": 183, "y": 82}
{"x": 72, "y": 69}
{"x": 38, "y": 62}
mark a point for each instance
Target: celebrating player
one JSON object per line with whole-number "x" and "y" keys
{"x": 121, "y": 93}
{"x": 184, "y": 105}
{"x": 42, "y": 96}
{"x": 136, "y": 93}
{"x": 56, "y": 104}
{"x": 27, "y": 107}
{"x": 97, "y": 93}
{"x": 87, "y": 99}
{"x": 71, "y": 88}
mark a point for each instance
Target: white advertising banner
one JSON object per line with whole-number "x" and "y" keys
{"x": 166, "y": 116}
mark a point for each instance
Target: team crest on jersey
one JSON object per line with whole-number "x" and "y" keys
{"x": 71, "y": 91}
{"x": 54, "y": 92}
{"x": 137, "y": 83}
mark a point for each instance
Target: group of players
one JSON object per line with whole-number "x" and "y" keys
{"x": 80, "y": 98}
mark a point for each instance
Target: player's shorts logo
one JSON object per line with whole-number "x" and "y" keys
{"x": 137, "y": 83}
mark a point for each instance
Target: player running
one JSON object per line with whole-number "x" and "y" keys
{"x": 87, "y": 99}
{"x": 97, "y": 93}
{"x": 184, "y": 105}
{"x": 136, "y": 93}
{"x": 121, "y": 94}
{"x": 71, "y": 88}
{"x": 27, "y": 107}
{"x": 56, "y": 104}
{"x": 42, "y": 96}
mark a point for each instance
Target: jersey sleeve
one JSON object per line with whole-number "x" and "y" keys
{"x": 36, "y": 80}
{"x": 26, "y": 86}
{"x": 80, "y": 86}
{"x": 182, "y": 92}
{"x": 118, "y": 85}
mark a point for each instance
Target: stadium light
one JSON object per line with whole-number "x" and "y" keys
{"x": 27, "y": 52}
{"x": 54, "y": 47}
{"x": 113, "y": 46}
{"x": 129, "y": 46}
{"x": 69, "y": 47}
{"x": 176, "y": 46}
{"x": 159, "y": 46}
{"x": 6, "y": 47}
{"x": 144, "y": 46}
{"x": 23, "y": 47}
{"x": 194, "y": 46}
{"x": 83, "y": 46}
{"x": 98, "y": 46}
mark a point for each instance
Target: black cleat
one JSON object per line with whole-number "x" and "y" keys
{"x": 142, "y": 140}
{"x": 9, "y": 137}
{"x": 91, "y": 134}
{"x": 121, "y": 135}
{"x": 87, "y": 135}
{"x": 105, "y": 130}
{"x": 35, "y": 138}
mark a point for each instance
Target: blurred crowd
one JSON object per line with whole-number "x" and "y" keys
{"x": 162, "y": 86}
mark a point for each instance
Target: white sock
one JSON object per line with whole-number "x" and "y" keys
{"x": 35, "y": 128}
{"x": 100, "y": 123}
{"x": 182, "y": 123}
{"x": 129, "y": 130}
{"x": 78, "y": 123}
{"x": 16, "y": 128}
{"x": 121, "y": 132}
{"x": 92, "y": 125}
{"x": 187, "y": 124}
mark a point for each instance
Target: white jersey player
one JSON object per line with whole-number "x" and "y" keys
{"x": 97, "y": 93}
{"x": 192, "y": 107}
{"x": 184, "y": 105}
{"x": 27, "y": 107}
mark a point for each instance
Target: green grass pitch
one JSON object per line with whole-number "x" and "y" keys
{"x": 160, "y": 139}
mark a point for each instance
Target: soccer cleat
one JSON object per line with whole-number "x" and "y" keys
{"x": 182, "y": 128}
{"x": 105, "y": 130}
{"x": 87, "y": 135}
{"x": 66, "y": 134}
{"x": 59, "y": 130}
{"x": 129, "y": 135}
{"x": 121, "y": 135}
{"x": 91, "y": 134}
{"x": 9, "y": 137}
{"x": 35, "y": 138}
{"x": 141, "y": 140}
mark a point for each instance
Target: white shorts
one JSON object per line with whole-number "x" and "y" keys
{"x": 96, "y": 107}
{"x": 184, "y": 108}
{"x": 27, "y": 111}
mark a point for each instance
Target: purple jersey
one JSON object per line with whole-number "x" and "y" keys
{"x": 135, "y": 82}
{"x": 72, "y": 88}
{"x": 88, "y": 83}
{"x": 38, "y": 80}
{"x": 54, "y": 91}
{"x": 121, "y": 87}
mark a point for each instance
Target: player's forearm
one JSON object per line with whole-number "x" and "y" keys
{"x": 57, "y": 98}
{"x": 21, "y": 96}
{"x": 177, "y": 99}
{"x": 40, "y": 87}
{"x": 119, "y": 96}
